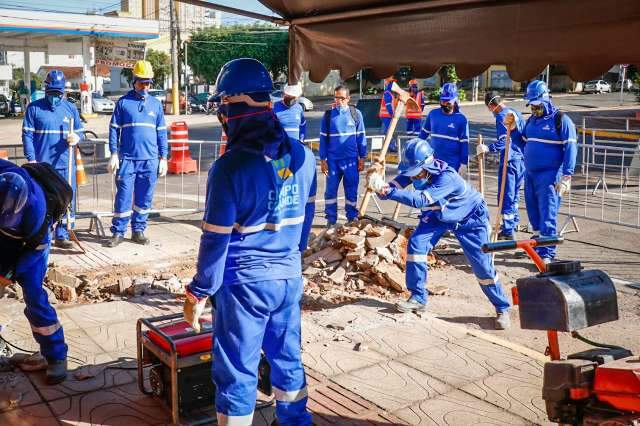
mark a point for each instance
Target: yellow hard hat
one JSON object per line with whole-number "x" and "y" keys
{"x": 143, "y": 70}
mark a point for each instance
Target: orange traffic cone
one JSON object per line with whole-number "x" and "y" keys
{"x": 223, "y": 146}
{"x": 4, "y": 154}
{"x": 81, "y": 176}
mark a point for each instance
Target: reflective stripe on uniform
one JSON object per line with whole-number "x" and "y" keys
{"x": 42, "y": 247}
{"x": 331, "y": 201}
{"x": 417, "y": 258}
{"x": 122, "y": 214}
{"x": 209, "y": 227}
{"x": 179, "y": 148}
{"x": 429, "y": 197}
{"x": 46, "y": 330}
{"x": 350, "y": 203}
{"x": 224, "y": 419}
{"x": 487, "y": 281}
{"x": 152, "y": 125}
{"x": 546, "y": 141}
{"x": 291, "y": 129}
{"x": 438, "y": 135}
{"x": 430, "y": 208}
{"x": 141, "y": 210}
{"x": 311, "y": 199}
{"x": 290, "y": 396}
{"x": 268, "y": 225}
{"x": 341, "y": 134}
{"x": 508, "y": 216}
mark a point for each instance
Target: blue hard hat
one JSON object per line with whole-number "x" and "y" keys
{"x": 54, "y": 81}
{"x": 244, "y": 75}
{"x": 14, "y": 193}
{"x": 416, "y": 154}
{"x": 449, "y": 92}
{"x": 537, "y": 90}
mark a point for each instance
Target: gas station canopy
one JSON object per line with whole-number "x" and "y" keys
{"x": 586, "y": 36}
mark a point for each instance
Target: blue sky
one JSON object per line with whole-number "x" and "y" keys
{"x": 82, "y": 6}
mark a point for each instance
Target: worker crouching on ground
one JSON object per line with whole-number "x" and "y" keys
{"x": 24, "y": 244}
{"x": 447, "y": 203}
{"x": 343, "y": 149}
{"x": 139, "y": 148}
{"x": 47, "y": 137}
{"x": 291, "y": 114}
{"x": 259, "y": 210}
{"x": 515, "y": 164}
{"x": 448, "y": 130}
{"x": 550, "y": 158}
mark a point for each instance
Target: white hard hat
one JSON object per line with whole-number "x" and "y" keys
{"x": 293, "y": 90}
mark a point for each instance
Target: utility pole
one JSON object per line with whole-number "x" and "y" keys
{"x": 174, "y": 59}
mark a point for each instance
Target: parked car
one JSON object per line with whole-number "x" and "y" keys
{"x": 74, "y": 98}
{"x": 307, "y": 105}
{"x": 16, "y": 106}
{"x": 197, "y": 104}
{"x": 101, "y": 104}
{"x": 628, "y": 85}
{"x": 5, "y": 106}
{"x": 597, "y": 86}
{"x": 159, "y": 94}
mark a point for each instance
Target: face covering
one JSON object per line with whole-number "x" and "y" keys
{"x": 537, "y": 110}
{"x": 421, "y": 184}
{"x": 54, "y": 99}
{"x": 447, "y": 107}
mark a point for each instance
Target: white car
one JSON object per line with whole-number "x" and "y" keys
{"x": 597, "y": 86}
{"x": 101, "y": 104}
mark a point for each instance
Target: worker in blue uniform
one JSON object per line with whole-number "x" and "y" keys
{"x": 448, "y": 203}
{"x": 515, "y": 164}
{"x": 139, "y": 148}
{"x": 259, "y": 210}
{"x": 550, "y": 158}
{"x": 448, "y": 130}
{"x": 47, "y": 137}
{"x": 23, "y": 213}
{"x": 343, "y": 149}
{"x": 291, "y": 114}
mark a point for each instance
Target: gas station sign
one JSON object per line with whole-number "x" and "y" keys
{"x": 118, "y": 52}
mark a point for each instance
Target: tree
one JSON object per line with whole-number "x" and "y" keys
{"x": 18, "y": 74}
{"x": 211, "y": 48}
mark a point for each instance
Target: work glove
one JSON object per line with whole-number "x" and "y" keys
{"x": 376, "y": 167}
{"x": 564, "y": 186}
{"x": 162, "y": 167}
{"x": 114, "y": 164}
{"x": 509, "y": 121}
{"x": 324, "y": 167}
{"x": 193, "y": 309}
{"x": 462, "y": 171}
{"x": 73, "y": 139}
{"x": 376, "y": 182}
{"x": 360, "y": 164}
{"x": 482, "y": 149}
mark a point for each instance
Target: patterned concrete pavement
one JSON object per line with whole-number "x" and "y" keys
{"x": 365, "y": 364}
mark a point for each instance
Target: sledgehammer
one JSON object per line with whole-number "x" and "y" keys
{"x": 404, "y": 98}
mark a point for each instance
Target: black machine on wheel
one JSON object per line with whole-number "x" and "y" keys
{"x": 595, "y": 387}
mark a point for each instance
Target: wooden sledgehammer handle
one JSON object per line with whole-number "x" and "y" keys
{"x": 503, "y": 184}
{"x": 481, "y": 168}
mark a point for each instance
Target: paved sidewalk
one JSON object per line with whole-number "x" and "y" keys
{"x": 417, "y": 371}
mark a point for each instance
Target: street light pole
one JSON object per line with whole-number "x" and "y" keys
{"x": 623, "y": 74}
{"x": 174, "y": 59}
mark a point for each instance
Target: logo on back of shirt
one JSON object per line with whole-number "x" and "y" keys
{"x": 281, "y": 168}
{"x": 451, "y": 126}
{"x": 286, "y": 195}
{"x": 65, "y": 120}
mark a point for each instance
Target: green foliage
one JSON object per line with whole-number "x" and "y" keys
{"x": 448, "y": 74}
{"x": 161, "y": 63}
{"x": 211, "y": 48}
{"x": 18, "y": 74}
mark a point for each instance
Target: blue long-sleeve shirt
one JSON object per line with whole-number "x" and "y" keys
{"x": 292, "y": 120}
{"x": 137, "y": 130}
{"x": 257, "y": 218}
{"x": 449, "y": 135}
{"x": 344, "y": 139}
{"x": 25, "y": 264}
{"x": 45, "y": 129}
{"x": 546, "y": 148}
{"x": 445, "y": 196}
{"x": 516, "y": 147}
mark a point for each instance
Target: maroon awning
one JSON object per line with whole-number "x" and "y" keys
{"x": 586, "y": 36}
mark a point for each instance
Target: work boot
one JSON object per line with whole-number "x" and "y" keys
{"x": 506, "y": 237}
{"x": 63, "y": 244}
{"x": 411, "y": 305}
{"x": 115, "y": 240}
{"x": 56, "y": 371}
{"x": 502, "y": 321}
{"x": 139, "y": 238}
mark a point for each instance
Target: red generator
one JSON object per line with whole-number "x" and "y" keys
{"x": 174, "y": 365}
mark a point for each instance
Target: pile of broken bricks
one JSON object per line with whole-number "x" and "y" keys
{"x": 362, "y": 257}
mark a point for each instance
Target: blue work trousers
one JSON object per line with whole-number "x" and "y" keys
{"x": 510, "y": 203}
{"x": 46, "y": 328}
{"x": 471, "y": 233}
{"x": 543, "y": 204}
{"x": 413, "y": 126}
{"x": 339, "y": 169}
{"x": 135, "y": 183}
{"x": 61, "y": 232}
{"x": 255, "y": 317}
